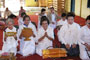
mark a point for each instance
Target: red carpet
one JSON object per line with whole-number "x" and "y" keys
{"x": 34, "y": 18}
{"x": 37, "y": 57}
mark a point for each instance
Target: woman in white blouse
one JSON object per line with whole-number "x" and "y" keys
{"x": 85, "y": 37}
{"x": 45, "y": 36}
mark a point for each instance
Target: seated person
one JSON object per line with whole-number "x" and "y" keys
{"x": 27, "y": 45}
{"x": 62, "y": 21}
{"x": 52, "y": 16}
{"x": 69, "y": 36}
{"x": 20, "y": 21}
{"x": 43, "y": 13}
{"x": 21, "y": 11}
{"x": 7, "y": 13}
{"x": 85, "y": 37}
{"x": 45, "y": 36}
{"x": 10, "y": 40}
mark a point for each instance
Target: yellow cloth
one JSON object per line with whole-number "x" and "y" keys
{"x": 55, "y": 52}
{"x": 10, "y": 33}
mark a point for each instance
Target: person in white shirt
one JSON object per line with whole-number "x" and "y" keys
{"x": 43, "y": 13}
{"x": 62, "y": 21}
{"x": 7, "y": 13}
{"x": 68, "y": 35}
{"x": 45, "y": 36}
{"x": 27, "y": 47}
{"x": 20, "y": 21}
{"x": 85, "y": 37}
{"x": 52, "y": 16}
{"x": 21, "y": 11}
{"x": 10, "y": 41}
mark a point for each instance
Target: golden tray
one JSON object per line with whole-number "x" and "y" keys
{"x": 27, "y": 32}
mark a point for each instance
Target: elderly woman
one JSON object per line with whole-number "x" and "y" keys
{"x": 10, "y": 44}
{"x": 45, "y": 36}
{"x": 85, "y": 37}
{"x": 27, "y": 46}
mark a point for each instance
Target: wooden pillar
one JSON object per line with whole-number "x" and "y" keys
{"x": 3, "y": 3}
{"x": 61, "y": 6}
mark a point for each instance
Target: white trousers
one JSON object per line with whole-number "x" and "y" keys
{"x": 27, "y": 47}
{"x": 84, "y": 53}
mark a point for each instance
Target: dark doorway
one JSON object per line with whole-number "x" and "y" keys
{"x": 88, "y": 4}
{"x": 72, "y": 5}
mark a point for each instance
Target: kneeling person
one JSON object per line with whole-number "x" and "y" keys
{"x": 27, "y": 34}
{"x": 85, "y": 37}
{"x": 69, "y": 36}
{"x": 45, "y": 36}
{"x": 10, "y": 44}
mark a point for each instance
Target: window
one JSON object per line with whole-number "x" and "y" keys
{"x": 88, "y": 4}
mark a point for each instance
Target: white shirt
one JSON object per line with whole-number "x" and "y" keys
{"x": 69, "y": 34}
{"x": 53, "y": 18}
{"x": 13, "y": 30}
{"x": 61, "y": 22}
{"x": 20, "y": 21}
{"x": 41, "y": 33}
{"x": 7, "y": 13}
{"x": 85, "y": 34}
{"x": 11, "y": 39}
{"x": 29, "y": 26}
{"x": 45, "y": 43}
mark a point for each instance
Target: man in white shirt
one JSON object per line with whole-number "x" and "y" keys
{"x": 43, "y": 13}
{"x": 7, "y": 13}
{"x": 85, "y": 37}
{"x": 69, "y": 36}
{"x": 52, "y": 16}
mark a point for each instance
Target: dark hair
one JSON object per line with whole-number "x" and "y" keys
{"x": 42, "y": 10}
{"x": 52, "y": 8}
{"x": 22, "y": 14}
{"x": 26, "y": 17}
{"x": 63, "y": 15}
{"x": 70, "y": 14}
{"x": 44, "y": 18}
{"x": 88, "y": 17}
